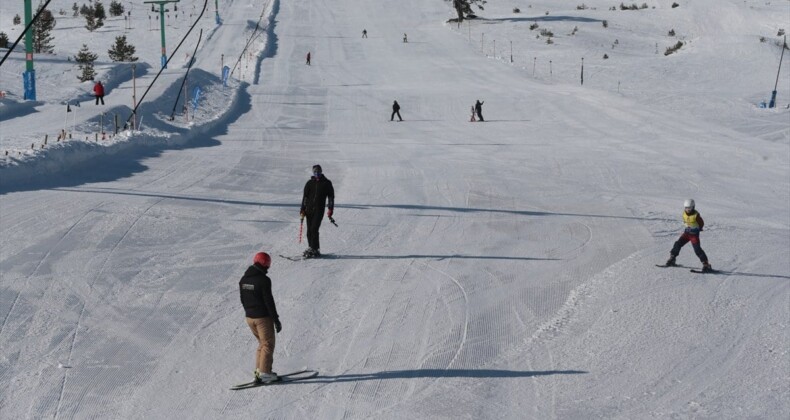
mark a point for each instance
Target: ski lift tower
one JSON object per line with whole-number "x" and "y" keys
{"x": 29, "y": 76}
{"x": 162, "y": 10}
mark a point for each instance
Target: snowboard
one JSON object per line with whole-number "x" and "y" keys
{"x": 288, "y": 377}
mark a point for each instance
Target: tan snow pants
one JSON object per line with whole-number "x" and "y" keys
{"x": 263, "y": 330}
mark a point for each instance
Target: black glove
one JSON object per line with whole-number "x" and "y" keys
{"x": 277, "y": 325}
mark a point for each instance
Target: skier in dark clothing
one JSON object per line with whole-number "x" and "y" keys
{"x": 318, "y": 192}
{"x": 395, "y": 111}
{"x": 255, "y": 290}
{"x": 364, "y": 33}
{"x": 694, "y": 224}
{"x": 308, "y": 58}
{"x": 479, "y": 110}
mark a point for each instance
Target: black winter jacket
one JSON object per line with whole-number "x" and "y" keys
{"x": 318, "y": 192}
{"x": 255, "y": 289}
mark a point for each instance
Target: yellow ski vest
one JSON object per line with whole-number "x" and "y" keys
{"x": 691, "y": 220}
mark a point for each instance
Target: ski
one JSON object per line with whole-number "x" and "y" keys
{"x": 694, "y": 270}
{"x": 288, "y": 377}
{"x": 667, "y": 266}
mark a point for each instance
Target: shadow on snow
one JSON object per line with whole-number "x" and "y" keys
{"x": 438, "y": 373}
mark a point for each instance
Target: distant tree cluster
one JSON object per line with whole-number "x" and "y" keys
{"x": 673, "y": 48}
{"x": 633, "y": 6}
{"x": 116, "y": 8}
{"x": 94, "y": 16}
{"x": 3, "y": 40}
{"x": 464, "y": 8}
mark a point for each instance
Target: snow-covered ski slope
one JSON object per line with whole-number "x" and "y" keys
{"x": 503, "y": 269}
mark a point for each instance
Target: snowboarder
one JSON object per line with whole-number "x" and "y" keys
{"x": 308, "y": 58}
{"x": 98, "y": 90}
{"x": 694, "y": 224}
{"x": 318, "y": 192}
{"x": 364, "y": 33}
{"x": 405, "y": 40}
{"x": 479, "y": 110}
{"x": 395, "y": 111}
{"x": 255, "y": 289}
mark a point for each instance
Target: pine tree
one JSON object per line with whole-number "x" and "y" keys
{"x": 76, "y": 9}
{"x": 90, "y": 21}
{"x": 98, "y": 12}
{"x": 85, "y": 60}
{"x": 122, "y": 51}
{"x": 116, "y": 8}
{"x": 17, "y": 20}
{"x": 42, "y": 29}
{"x": 85, "y": 10}
{"x": 3, "y": 40}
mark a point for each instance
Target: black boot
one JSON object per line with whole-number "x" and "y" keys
{"x": 671, "y": 261}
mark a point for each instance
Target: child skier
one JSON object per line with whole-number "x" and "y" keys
{"x": 694, "y": 224}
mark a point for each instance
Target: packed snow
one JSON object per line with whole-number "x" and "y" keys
{"x": 497, "y": 269}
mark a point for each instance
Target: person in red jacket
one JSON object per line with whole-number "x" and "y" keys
{"x": 255, "y": 289}
{"x": 98, "y": 90}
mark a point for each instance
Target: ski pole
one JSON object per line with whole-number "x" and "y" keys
{"x": 333, "y": 221}
{"x": 301, "y": 225}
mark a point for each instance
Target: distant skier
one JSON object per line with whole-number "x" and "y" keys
{"x": 255, "y": 290}
{"x": 308, "y": 58}
{"x": 405, "y": 39}
{"x": 472, "y": 118}
{"x": 318, "y": 192}
{"x": 694, "y": 224}
{"x": 364, "y": 33}
{"x": 395, "y": 111}
{"x": 98, "y": 90}
{"x": 479, "y": 110}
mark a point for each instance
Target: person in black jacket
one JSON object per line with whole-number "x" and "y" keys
{"x": 318, "y": 192}
{"x": 255, "y": 289}
{"x": 395, "y": 110}
{"x": 479, "y": 110}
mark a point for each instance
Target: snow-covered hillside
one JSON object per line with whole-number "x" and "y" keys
{"x": 503, "y": 269}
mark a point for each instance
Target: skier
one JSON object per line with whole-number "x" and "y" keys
{"x": 395, "y": 110}
{"x": 98, "y": 90}
{"x": 405, "y": 40}
{"x": 364, "y": 33}
{"x": 308, "y": 58}
{"x": 472, "y": 118}
{"x": 479, "y": 110}
{"x": 318, "y": 192}
{"x": 255, "y": 289}
{"x": 694, "y": 224}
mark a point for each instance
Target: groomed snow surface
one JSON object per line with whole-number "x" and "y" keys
{"x": 503, "y": 269}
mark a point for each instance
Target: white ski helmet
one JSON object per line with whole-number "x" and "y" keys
{"x": 689, "y": 203}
